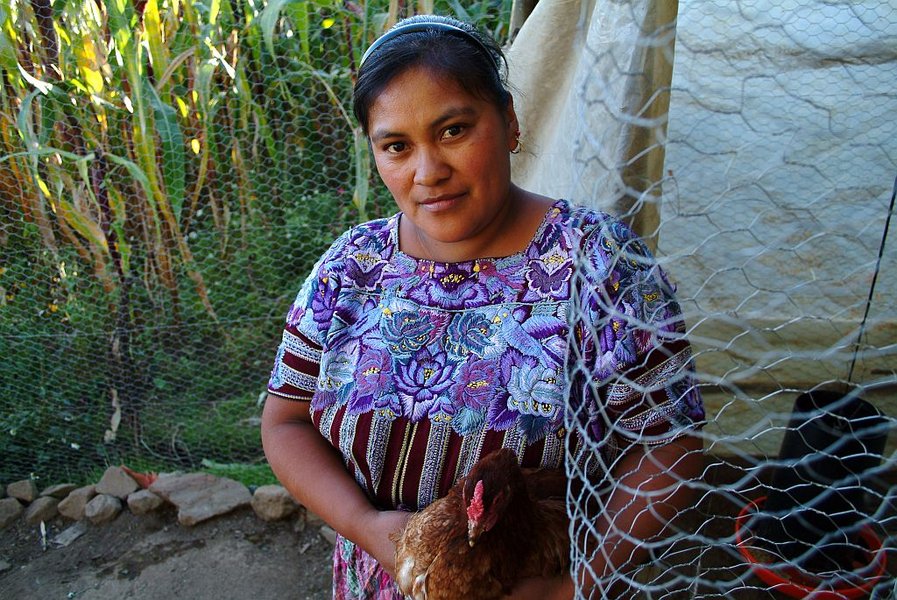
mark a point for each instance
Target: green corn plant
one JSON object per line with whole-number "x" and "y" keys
{"x": 157, "y": 146}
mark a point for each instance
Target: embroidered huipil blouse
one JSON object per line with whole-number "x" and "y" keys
{"x": 415, "y": 369}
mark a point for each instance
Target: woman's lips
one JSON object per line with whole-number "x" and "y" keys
{"x": 441, "y": 202}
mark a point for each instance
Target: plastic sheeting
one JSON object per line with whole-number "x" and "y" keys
{"x": 592, "y": 92}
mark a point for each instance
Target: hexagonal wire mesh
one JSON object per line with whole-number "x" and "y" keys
{"x": 170, "y": 175}
{"x": 777, "y": 191}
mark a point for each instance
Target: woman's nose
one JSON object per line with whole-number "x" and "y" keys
{"x": 430, "y": 168}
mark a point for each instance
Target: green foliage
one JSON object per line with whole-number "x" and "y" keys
{"x": 169, "y": 173}
{"x": 255, "y": 474}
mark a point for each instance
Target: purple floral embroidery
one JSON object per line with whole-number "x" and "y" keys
{"x": 499, "y": 416}
{"x": 422, "y": 381}
{"x": 534, "y": 390}
{"x": 336, "y": 371}
{"x": 388, "y": 406}
{"x": 323, "y": 300}
{"x": 450, "y": 287}
{"x": 616, "y": 348}
{"x": 533, "y": 427}
{"x": 363, "y": 275}
{"x": 469, "y": 333}
{"x": 549, "y": 274}
{"x": 477, "y": 383}
{"x": 468, "y": 421}
{"x": 373, "y": 376}
{"x": 482, "y": 344}
{"x": 406, "y": 332}
{"x": 503, "y": 279}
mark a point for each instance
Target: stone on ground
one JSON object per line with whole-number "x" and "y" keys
{"x": 72, "y": 507}
{"x": 200, "y": 496}
{"x": 42, "y": 509}
{"x": 102, "y": 509}
{"x": 115, "y": 482}
{"x": 10, "y": 510}
{"x": 273, "y": 503}
{"x": 142, "y": 502}
{"x": 59, "y": 491}
{"x": 24, "y": 490}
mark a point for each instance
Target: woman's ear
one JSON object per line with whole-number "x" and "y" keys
{"x": 513, "y": 125}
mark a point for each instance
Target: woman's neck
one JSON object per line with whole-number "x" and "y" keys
{"x": 512, "y": 231}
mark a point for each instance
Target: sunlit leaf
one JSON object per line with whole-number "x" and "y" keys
{"x": 90, "y": 61}
{"x": 182, "y": 106}
{"x": 268, "y": 21}
{"x": 43, "y": 87}
{"x": 152, "y": 26}
{"x": 214, "y": 9}
{"x": 7, "y": 37}
{"x": 172, "y": 150}
{"x": 298, "y": 14}
{"x": 83, "y": 224}
{"x": 120, "y": 13}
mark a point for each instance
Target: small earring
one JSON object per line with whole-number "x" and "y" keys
{"x": 519, "y": 145}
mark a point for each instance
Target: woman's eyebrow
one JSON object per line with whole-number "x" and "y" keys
{"x": 454, "y": 112}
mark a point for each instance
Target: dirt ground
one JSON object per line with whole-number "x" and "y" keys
{"x": 237, "y": 556}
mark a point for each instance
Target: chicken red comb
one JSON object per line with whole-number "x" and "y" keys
{"x": 475, "y": 510}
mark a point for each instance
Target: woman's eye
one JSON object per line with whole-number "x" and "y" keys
{"x": 395, "y": 147}
{"x": 452, "y": 131}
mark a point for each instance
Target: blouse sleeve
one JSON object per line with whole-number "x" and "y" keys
{"x": 298, "y": 360}
{"x": 636, "y": 362}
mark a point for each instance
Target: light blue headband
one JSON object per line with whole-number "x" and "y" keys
{"x": 402, "y": 29}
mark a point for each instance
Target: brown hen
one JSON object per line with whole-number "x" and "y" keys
{"x": 497, "y": 525}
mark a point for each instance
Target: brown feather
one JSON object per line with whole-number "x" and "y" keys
{"x": 528, "y": 535}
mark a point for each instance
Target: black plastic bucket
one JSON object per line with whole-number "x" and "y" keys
{"x": 817, "y": 500}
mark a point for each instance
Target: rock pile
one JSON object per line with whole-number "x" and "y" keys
{"x": 196, "y": 496}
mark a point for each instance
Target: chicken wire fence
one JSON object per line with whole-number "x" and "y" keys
{"x": 777, "y": 191}
{"x": 171, "y": 171}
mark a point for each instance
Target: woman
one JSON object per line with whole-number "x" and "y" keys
{"x": 471, "y": 320}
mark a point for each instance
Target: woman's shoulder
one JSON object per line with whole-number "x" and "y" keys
{"x": 606, "y": 242}
{"x": 374, "y": 238}
{"x": 589, "y": 225}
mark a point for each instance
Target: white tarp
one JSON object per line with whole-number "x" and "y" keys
{"x": 592, "y": 90}
{"x": 776, "y": 165}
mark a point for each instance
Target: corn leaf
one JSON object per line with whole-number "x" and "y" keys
{"x": 83, "y": 224}
{"x": 214, "y": 9}
{"x": 90, "y": 61}
{"x": 298, "y": 14}
{"x": 7, "y": 49}
{"x": 137, "y": 174}
{"x": 268, "y": 21}
{"x": 172, "y": 150}
{"x": 152, "y": 26}
{"x": 49, "y": 114}
{"x": 120, "y": 15}
{"x": 118, "y": 206}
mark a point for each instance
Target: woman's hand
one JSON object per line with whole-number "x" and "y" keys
{"x": 380, "y": 527}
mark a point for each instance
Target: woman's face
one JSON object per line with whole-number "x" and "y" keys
{"x": 443, "y": 154}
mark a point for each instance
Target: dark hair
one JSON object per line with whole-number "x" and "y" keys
{"x": 450, "y": 48}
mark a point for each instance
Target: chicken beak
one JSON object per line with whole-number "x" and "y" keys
{"x": 474, "y": 530}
